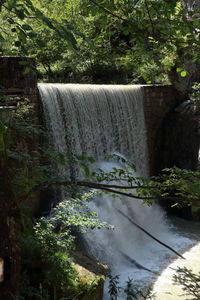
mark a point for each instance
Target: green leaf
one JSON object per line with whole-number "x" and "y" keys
{"x": 11, "y": 4}
{"x": 174, "y": 205}
{"x": 11, "y": 21}
{"x": 91, "y": 159}
{"x": 178, "y": 70}
{"x": 2, "y": 39}
{"x": 68, "y": 36}
{"x": 80, "y": 157}
{"x": 38, "y": 13}
{"x": 17, "y": 44}
{"x": 27, "y": 27}
{"x": 21, "y": 36}
{"x": 48, "y": 22}
{"x": 29, "y": 4}
{"x": 126, "y": 31}
{"x": 85, "y": 168}
{"x": 40, "y": 43}
{"x": 183, "y": 74}
{"x": 20, "y": 13}
{"x": 31, "y": 34}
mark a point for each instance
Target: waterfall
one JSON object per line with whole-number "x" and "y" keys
{"x": 97, "y": 119}
{"x": 104, "y": 119}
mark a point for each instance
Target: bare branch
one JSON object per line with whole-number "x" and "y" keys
{"x": 134, "y": 262}
{"x": 149, "y": 234}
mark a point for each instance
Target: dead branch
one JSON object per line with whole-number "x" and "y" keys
{"x": 150, "y": 235}
{"x": 134, "y": 262}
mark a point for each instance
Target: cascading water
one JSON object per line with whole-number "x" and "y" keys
{"x": 94, "y": 120}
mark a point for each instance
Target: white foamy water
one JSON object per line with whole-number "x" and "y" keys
{"x": 129, "y": 252}
{"x": 94, "y": 120}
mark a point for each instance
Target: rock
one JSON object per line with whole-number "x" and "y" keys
{"x": 90, "y": 272}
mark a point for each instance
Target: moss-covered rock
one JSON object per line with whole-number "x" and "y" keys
{"x": 91, "y": 276}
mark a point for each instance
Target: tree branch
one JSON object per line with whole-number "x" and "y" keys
{"x": 149, "y": 234}
{"x": 103, "y": 187}
{"x": 150, "y": 19}
{"x": 138, "y": 265}
{"x": 127, "y": 187}
{"x": 107, "y": 188}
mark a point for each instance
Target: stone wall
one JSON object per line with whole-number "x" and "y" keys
{"x": 173, "y": 135}
{"x": 159, "y": 101}
{"x": 17, "y": 76}
{"x": 17, "y": 80}
{"x": 18, "y": 85}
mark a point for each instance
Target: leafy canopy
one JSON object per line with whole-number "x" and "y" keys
{"x": 144, "y": 40}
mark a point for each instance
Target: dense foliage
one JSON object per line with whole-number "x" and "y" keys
{"x": 129, "y": 41}
{"x": 47, "y": 251}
